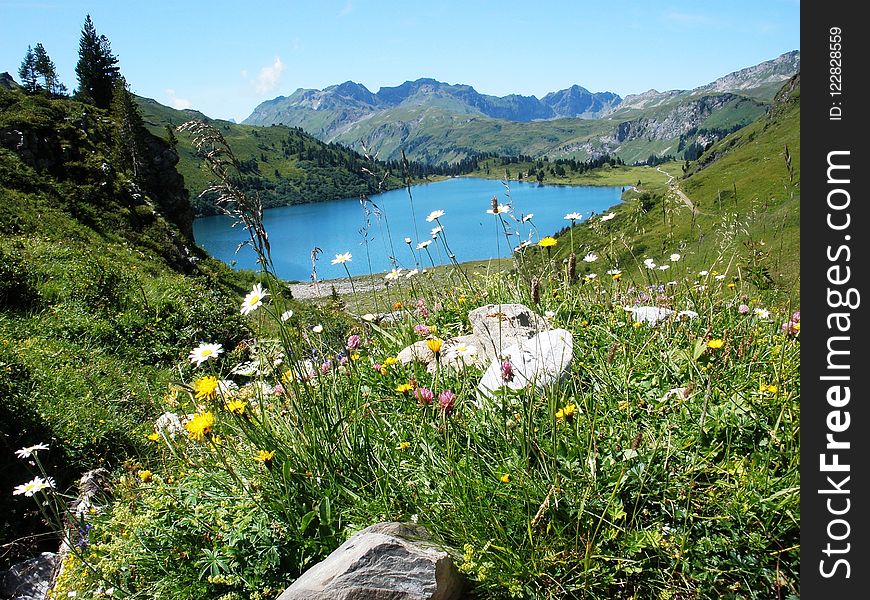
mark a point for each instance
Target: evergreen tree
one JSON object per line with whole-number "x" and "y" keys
{"x": 97, "y": 69}
{"x": 27, "y": 72}
{"x": 44, "y": 67}
{"x": 130, "y": 149}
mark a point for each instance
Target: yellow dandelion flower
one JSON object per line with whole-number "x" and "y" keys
{"x": 404, "y": 388}
{"x": 547, "y": 242}
{"x": 205, "y": 388}
{"x": 264, "y": 456}
{"x": 567, "y": 411}
{"x": 354, "y": 356}
{"x": 287, "y": 377}
{"x": 622, "y": 405}
{"x": 403, "y": 446}
{"x": 716, "y": 343}
{"x": 434, "y": 345}
{"x": 145, "y": 475}
{"x": 237, "y": 407}
{"x": 153, "y": 436}
{"x": 732, "y": 285}
{"x": 390, "y": 361}
{"x": 397, "y": 305}
{"x": 506, "y": 478}
{"x": 636, "y": 324}
{"x": 584, "y": 323}
{"x": 200, "y": 425}
{"x": 617, "y": 276}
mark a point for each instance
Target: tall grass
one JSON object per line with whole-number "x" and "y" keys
{"x": 665, "y": 465}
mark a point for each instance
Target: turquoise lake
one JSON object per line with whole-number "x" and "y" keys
{"x": 336, "y": 226}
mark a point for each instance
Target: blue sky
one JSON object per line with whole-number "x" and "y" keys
{"x": 224, "y": 58}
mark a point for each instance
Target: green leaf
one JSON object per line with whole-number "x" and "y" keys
{"x": 325, "y": 510}
{"x": 700, "y": 347}
{"x": 306, "y": 520}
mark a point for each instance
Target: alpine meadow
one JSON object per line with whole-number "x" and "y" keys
{"x": 593, "y": 403}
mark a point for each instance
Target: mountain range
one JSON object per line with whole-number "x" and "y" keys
{"x": 434, "y": 121}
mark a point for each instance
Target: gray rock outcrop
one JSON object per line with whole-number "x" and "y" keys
{"x": 30, "y": 579}
{"x": 499, "y": 326}
{"x": 387, "y": 561}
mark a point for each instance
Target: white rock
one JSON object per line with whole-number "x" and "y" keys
{"x": 418, "y": 351}
{"x": 392, "y": 561}
{"x": 654, "y": 314}
{"x": 499, "y": 326}
{"x": 539, "y": 361}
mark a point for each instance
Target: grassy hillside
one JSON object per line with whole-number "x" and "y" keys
{"x": 434, "y": 134}
{"x": 746, "y": 222}
{"x": 102, "y": 295}
{"x": 284, "y": 164}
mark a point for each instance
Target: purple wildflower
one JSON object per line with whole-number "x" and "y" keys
{"x": 424, "y": 396}
{"x": 446, "y": 400}
{"x": 507, "y": 371}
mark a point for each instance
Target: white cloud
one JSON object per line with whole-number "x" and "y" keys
{"x": 176, "y": 102}
{"x": 269, "y": 77}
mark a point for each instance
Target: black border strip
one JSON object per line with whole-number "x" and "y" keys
{"x": 834, "y": 250}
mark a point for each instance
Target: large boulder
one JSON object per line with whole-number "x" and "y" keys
{"x": 387, "y": 561}
{"x": 539, "y": 361}
{"x": 500, "y": 326}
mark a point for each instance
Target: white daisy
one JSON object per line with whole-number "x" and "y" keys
{"x": 607, "y": 217}
{"x": 614, "y": 272}
{"x": 501, "y": 208}
{"x": 675, "y": 257}
{"x": 574, "y": 216}
{"x": 30, "y": 450}
{"x": 528, "y": 217}
{"x": 341, "y": 258}
{"x": 203, "y": 352}
{"x": 285, "y": 316}
{"x": 423, "y": 244}
{"x": 591, "y": 276}
{"x": 393, "y": 275}
{"x": 37, "y": 484}
{"x": 762, "y": 313}
{"x": 591, "y": 257}
{"x": 254, "y": 299}
{"x": 435, "y": 214}
{"x": 317, "y": 329}
{"x": 649, "y": 263}
{"x": 664, "y": 267}
{"x": 411, "y": 273}
{"x": 436, "y": 230}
